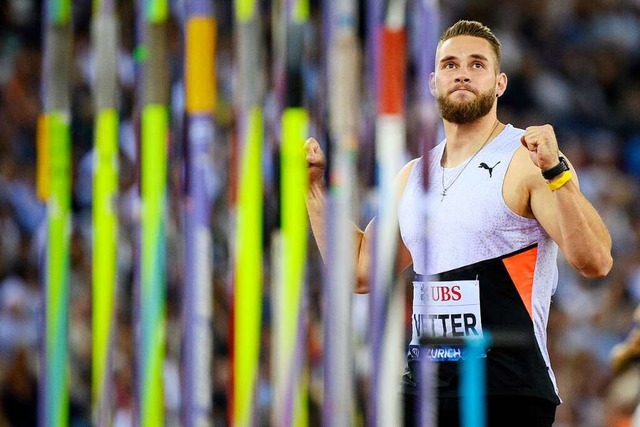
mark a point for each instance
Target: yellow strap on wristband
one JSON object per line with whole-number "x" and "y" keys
{"x": 559, "y": 182}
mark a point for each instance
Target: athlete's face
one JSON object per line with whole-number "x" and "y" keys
{"x": 466, "y": 81}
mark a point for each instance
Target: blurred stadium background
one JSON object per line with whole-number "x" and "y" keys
{"x": 572, "y": 63}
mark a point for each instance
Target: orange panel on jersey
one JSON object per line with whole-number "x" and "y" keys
{"x": 521, "y": 268}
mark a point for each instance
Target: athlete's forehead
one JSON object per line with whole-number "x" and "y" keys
{"x": 464, "y": 47}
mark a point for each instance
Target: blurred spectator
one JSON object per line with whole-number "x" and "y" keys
{"x": 19, "y": 392}
{"x": 20, "y": 308}
{"x": 623, "y": 356}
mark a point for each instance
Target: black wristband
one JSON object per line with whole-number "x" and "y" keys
{"x": 556, "y": 170}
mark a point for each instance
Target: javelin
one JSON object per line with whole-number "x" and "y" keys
{"x": 343, "y": 84}
{"x": 387, "y": 303}
{"x": 248, "y": 242}
{"x": 154, "y": 139}
{"x": 197, "y": 307}
{"x": 55, "y": 184}
{"x": 428, "y": 28}
{"x": 290, "y": 374}
{"x": 105, "y": 220}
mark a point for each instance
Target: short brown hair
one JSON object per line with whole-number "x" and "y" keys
{"x": 474, "y": 29}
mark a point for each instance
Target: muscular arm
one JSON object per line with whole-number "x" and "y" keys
{"x": 576, "y": 226}
{"x": 565, "y": 213}
{"x": 316, "y": 209}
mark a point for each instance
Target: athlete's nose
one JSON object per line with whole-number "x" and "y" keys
{"x": 462, "y": 79}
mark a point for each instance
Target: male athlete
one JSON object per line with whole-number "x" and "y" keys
{"x": 502, "y": 201}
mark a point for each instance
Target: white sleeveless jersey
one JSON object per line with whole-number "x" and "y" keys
{"x": 470, "y": 235}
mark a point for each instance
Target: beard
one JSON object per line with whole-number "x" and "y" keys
{"x": 466, "y": 112}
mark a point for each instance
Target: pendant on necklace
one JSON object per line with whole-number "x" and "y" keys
{"x": 444, "y": 193}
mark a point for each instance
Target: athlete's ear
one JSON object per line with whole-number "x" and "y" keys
{"x": 432, "y": 84}
{"x": 501, "y": 84}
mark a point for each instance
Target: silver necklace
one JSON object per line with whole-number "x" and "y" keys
{"x": 444, "y": 189}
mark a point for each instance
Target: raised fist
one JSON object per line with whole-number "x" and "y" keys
{"x": 316, "y": 161}
{"x": 542, "y": 145}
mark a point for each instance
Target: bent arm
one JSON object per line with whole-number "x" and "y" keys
{"x": 316, "y": 197}
{"x": 365, "y": 240}
{"x": 316, "y": 209}
{"x": 362, "y": 240}
{"x": 573, "y": 222}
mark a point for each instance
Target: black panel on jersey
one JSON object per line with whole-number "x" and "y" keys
{"x": 518, "y": 370}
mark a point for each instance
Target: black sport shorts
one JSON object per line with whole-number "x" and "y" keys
{"x": 522, "y": 411}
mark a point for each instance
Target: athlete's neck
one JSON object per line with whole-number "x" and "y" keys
{"x": 464, "y": 140}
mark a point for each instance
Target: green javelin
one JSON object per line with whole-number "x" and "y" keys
{"x": 294, "y": 255}
{"x": 105, "y": 220}
{"x": 154, "y": 128}
{"x": 54, "y": 391}
{"x": 248, "y": 242}
{"x": 290, "y": 379}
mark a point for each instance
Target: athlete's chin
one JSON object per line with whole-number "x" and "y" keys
{"x": 461, "y": 102}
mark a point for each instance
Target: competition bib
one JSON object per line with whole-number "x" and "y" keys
{"x": 445, "y": 309}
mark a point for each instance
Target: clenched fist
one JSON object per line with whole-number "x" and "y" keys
{"x": 316, "y": 161}
{"x": 542, "y": 145}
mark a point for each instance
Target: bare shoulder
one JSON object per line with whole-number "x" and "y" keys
{"x": 403, "y": 175}
{"x": 406, "y": 169}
